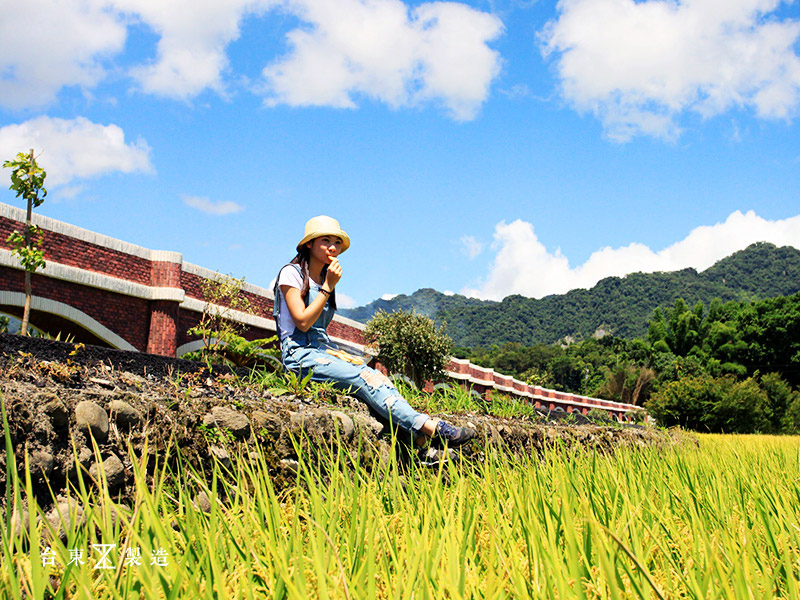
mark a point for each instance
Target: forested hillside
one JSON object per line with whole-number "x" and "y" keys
{"x": 731, "y": 366}
{"x": 620, "y": 306}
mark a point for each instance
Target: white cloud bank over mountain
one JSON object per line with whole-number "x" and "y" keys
{"x": 522, "y": 265}
{"x": 639, "y": 65}
{"x": 74, "y": 149}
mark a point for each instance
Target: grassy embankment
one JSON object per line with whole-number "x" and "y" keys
{"x": 718, "y": 521}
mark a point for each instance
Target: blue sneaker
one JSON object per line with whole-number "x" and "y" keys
{"x": 451, "y": 435}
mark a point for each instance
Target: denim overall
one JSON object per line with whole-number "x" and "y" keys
{"x": 306, "y": 350}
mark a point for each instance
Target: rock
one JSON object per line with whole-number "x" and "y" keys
{"x": 221, "y": 455}
{"x": 133, "y": 380}
{"x": 123, "y": 414}
{"x": 119, "y": 514}
{"x": 289, "y": 466}
{"x": 41, "y": 463}
{"x": 92, "y": 420}
{"x": 296, "y": 419}
{"x": 432, "y": 457}
{"x": 346, "y": 426}
{"x": 202, "y": 502}
{"x": 233, "y": 420}
{"x": 269, "y": 422}
{"x": 384, "y": 452}
{"x": 85, "y": 457}
{"x": 113, "y": 469}
{"x": 102, "y": 382}
{"x": 66, "y": 515}
{"x": 55, "y": 409}
{"x": 370, "y": 423}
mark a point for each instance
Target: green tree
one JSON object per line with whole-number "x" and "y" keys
{"x": 716, "y": 404}
{"x": 27, "y": 180}
{"x": 791, "y": 419}
{"x": 780, "y": 396}
{"x": 221, "y": 334}
{"x": 627, "y": 382}
{"x": 411, "y": 344}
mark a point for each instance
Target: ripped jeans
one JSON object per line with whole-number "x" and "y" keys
{"x": 367, "y": 384}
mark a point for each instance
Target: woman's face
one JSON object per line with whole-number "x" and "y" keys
{"x": 325, "y": 248}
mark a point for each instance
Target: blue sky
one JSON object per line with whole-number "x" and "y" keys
{"x": 484, "y": 147}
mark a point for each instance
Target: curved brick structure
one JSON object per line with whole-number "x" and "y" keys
{"x": 105, "y": 291}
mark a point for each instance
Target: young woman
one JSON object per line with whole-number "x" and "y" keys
{"x": 305, "y": 302}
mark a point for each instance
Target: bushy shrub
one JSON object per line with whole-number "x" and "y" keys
{"x": 410, "y": 344}
{"x": 779, "y": 395}
{"x": 717, "y": 404}
{"x": 791, "y": 419}
{"x": 637, "y": 415}
{"x": 222, "y": 335}
{"x": 598, "y": 414}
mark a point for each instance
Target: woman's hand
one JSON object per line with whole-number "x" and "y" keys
{"x": 333, "y": 275}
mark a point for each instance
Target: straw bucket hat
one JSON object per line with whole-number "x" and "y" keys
{"x": 322, "y": 225}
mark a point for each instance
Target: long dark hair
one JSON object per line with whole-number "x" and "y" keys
{"x": 302, "y": 259}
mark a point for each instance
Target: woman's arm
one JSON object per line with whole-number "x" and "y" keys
{"x": 305, "y": 316}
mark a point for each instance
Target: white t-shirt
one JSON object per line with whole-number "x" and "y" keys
{"x": 290, "y": 275}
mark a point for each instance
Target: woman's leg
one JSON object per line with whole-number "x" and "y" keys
{"x": 368, "y": 385}
{"x": 376, "y": 390}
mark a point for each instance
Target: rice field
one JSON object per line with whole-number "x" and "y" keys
{"x": 718, "y": 520}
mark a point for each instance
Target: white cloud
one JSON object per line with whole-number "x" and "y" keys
{"x": 48, "y": 44}
{"x": 524, "y": 266}
{"x": 388, "y": 296}
{"x": 384, "y": 50}
{"x": 470, "y": 246}
{"x": 638, "y": 65}
{"x": 69, "y": 192}
{"x": 75, "y": 149}
{"x": 194, "y": 35}
{"x": 210, "y": 207}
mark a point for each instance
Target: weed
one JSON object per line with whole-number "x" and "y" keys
{"x": 503, "y": 405}
{"x": 216, "y": 435}
{"x": 599, "y": 415}
{"x": 325, "y": 391}
{"x": 64, "y": 373}
{"x": 294, "y": 383}
{"x": 183, "y": 384}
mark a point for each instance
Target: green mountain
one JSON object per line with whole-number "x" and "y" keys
{"x": 617, "y": 305}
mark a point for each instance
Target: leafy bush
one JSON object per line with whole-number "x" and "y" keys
{"x": 233, "y": 350}
{"x": 779, "y": 397}
{"x": 791, "y": 419}
{"x": 221, "y": 334}
{"x": 598, "y": 414}
{"x": 706, "y": 403}
{"x": 637, "y": 415}
{"x": 411, "y": 344}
